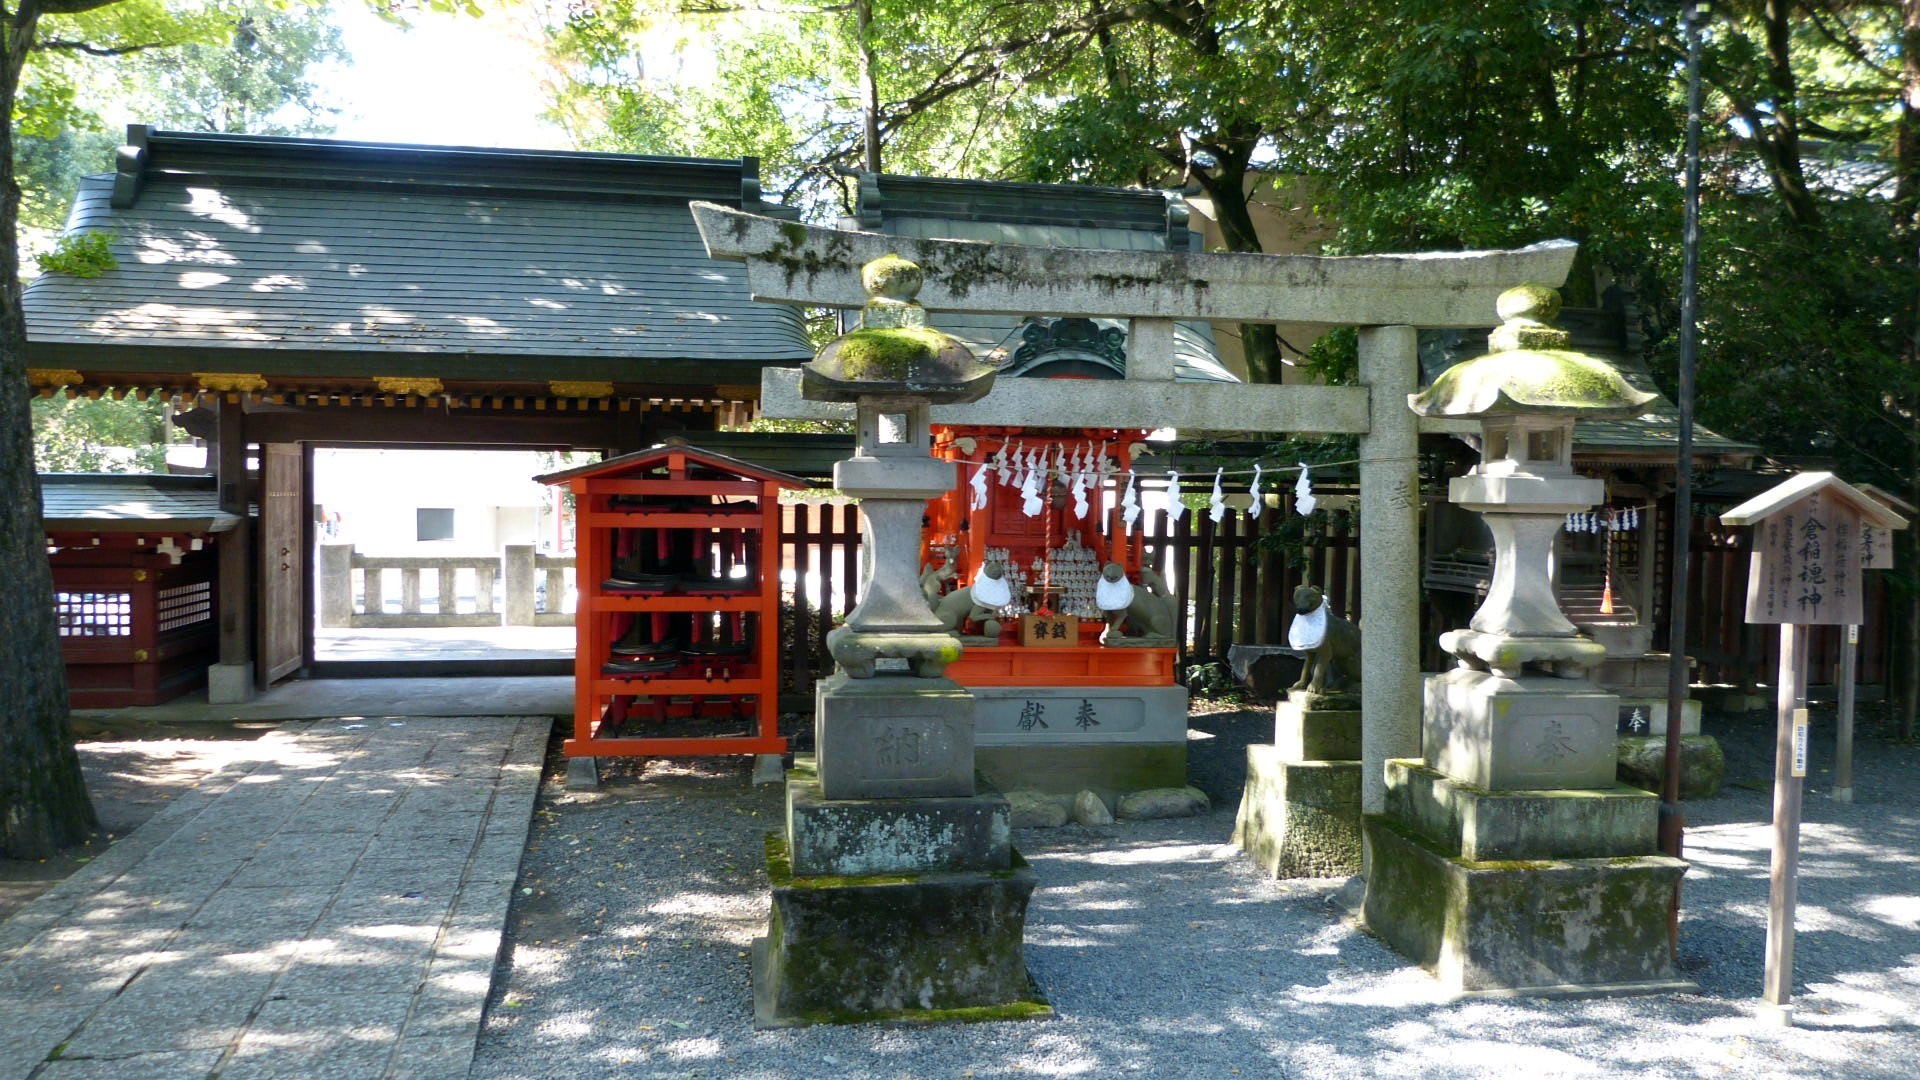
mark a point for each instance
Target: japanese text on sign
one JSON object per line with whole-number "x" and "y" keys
{"x": 1806, "y": 565}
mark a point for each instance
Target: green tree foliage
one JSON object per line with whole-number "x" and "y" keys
{"x": 100, "y": 434}
{"x": 233, "y": 65}
{"x": 82, "y": 64}
{"x": 1155, "y": 93}
{"x": 256, "y": 80}
{"x": 1419, "y": 124}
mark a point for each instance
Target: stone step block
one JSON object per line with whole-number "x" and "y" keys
{"x": 1476, "y": 824}
{"x": 1648, "y": 716}
{"x": 928, "y": 948}
{"x": 1308, "y": 734}
{"x": 893, "y": 736}
{"x": 854, "y": 837}
{"x": 1299, "y": 818}
{"x": 1526, "y": 734}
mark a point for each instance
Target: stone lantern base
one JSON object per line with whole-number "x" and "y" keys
{"x": 893, "y": 909}
{"x": 1542, "y": 893}
{"x": 1528, "y": 733}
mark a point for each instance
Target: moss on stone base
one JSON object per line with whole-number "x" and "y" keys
{"x": 1548, "y": 927}
{"x": 926, "y": 947}
{"x": 1300, "y": 819}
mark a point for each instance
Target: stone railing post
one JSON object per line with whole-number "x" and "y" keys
{"x": 336, "y": 585}
{"x": 520, "y": 576}
{"x": 553, "y": 570}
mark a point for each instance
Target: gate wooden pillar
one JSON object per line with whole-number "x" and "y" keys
{"x": 231, "y": 681}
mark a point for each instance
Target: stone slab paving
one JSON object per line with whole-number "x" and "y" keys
{"x": 334, "y": 909}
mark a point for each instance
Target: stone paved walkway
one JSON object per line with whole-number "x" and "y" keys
{"x": 334, "y": 910}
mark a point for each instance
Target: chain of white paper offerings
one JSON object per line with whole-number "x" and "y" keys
{"x": 1050, "y": 471}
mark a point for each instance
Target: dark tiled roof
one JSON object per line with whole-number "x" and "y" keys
{"x": 377, "y": 253}
{"x": 115, "y": 502}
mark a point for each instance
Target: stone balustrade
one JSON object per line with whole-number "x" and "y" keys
{"x": 532, "y": 589}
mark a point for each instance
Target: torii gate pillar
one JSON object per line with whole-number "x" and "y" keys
{"x": 1390, "y": 557}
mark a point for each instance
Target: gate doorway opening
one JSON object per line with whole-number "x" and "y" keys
{"x": 441, "y": 562}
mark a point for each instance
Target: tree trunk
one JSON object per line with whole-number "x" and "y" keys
{"x": 43, "y": 797}
{"x": 1779, "y": 143}
{"x": 1227, "y": 186}
{"x": 869, "y": 85}
{"x": 1906, "y": 192}
{"x": 1907, "y": 705}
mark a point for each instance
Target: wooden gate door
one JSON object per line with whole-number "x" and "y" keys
{"x": 282, "y": 614}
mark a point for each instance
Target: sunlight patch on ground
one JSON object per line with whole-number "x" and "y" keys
{"x": 1856, "y": 1000}
{"x": 567, "y": 1027}
{"x": 1818, "y": 917}
{"x": 1425, "y": 1057}
{"x": 1144, "y": 856}
{"x": 698, "y": 1049}
{"x": 702, "y": 904}
{"x": 1410, "y": 986}
{"x": 1100, "y": 905}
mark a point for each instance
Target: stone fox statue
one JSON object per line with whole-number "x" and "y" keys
{"x": 1331, "y": 645}
{"x": 1153, "y": 611}
{"x": 977, "y": 602}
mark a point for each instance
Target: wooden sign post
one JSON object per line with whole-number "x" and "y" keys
{"x": 1811, "y": 536}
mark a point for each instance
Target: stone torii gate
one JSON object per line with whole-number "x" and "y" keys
{"x": 1388, "y": 297}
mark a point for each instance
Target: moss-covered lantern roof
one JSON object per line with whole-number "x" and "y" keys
{"x": 1529, "y": 369}
{"x": 895, "y": 352}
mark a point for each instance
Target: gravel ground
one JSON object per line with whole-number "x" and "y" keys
{"x": 1168, "y": 955}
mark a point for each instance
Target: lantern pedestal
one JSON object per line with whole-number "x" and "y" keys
{"x": 897, "y": 895}
{"x": 1538, "y": 926}
{"x": 1300, "y": 810}
{"x": 893, "y": 909}
{"x": 1530, "y": 733}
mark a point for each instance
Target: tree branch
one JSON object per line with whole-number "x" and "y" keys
{"x": 90, "y": 49}
{"x": 983, "y": 63}
{"x": 1849, "y": 44}
{"x": 70, "y": 7}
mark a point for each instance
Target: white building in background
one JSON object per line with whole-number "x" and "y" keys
{"x": 435, "y": 502}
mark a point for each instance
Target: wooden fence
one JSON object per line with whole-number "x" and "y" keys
{"x": 1235, "y": 582}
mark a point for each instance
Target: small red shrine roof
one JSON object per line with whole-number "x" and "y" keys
{"x": 642, "y": 460}
{"x": 1782, "y": 495}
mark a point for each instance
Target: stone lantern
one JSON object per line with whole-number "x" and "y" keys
{"x": 893, "y": 369}
{"x": 1509, "y": 859}
{"x": 896, "y": 890}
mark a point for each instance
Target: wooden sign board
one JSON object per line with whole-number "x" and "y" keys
{"x": 1045, "y": 630}
{"x": 1806, "y": 564}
